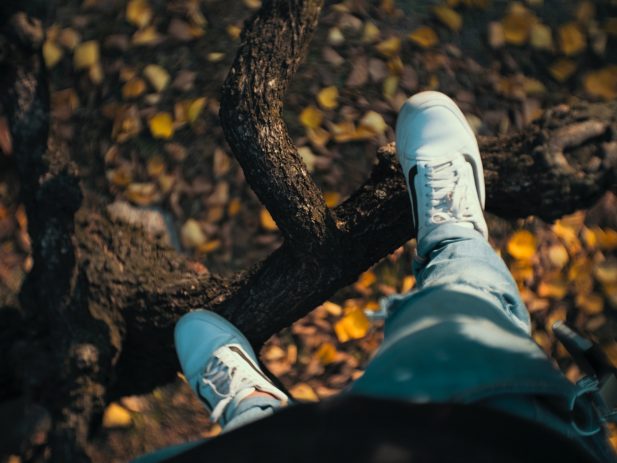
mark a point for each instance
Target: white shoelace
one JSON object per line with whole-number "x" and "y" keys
{"x": 447, "y": 200}
{"x": 216, "y": 376}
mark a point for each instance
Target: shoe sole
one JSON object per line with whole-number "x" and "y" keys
{"x": 429, "y": 99}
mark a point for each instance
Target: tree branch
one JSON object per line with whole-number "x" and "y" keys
{"x": 274, "y": 45}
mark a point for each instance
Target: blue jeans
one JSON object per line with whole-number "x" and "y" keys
{"x": 463, "y": 335}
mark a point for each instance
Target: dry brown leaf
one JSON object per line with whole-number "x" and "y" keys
{"x": 127, "y": 124}
{"x": 562, "y": 69}
{"x": 156, "y": 166}
{"x": 133, "y": 88}
{"x": 424, "y": 36}
{"x": 602, "y": 83}
{"x": 69, "y": 38}
{"x": 448, "y": 17}
{"x": 496, "y": 36}
{"x": 555, "y": 288}
{"x": 148, "y": 36}
{"x": 142, "y": 194}
{"x": 572, "y": 40}
{"x": 389, "y": 47}
{"x": 517, "y": 24}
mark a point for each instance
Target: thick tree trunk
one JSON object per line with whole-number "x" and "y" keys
{"x": 102, "y": 298}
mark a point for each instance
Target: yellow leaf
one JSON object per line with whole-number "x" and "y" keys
{"x": 96, "y": 73}
{"x": 602, "y": 83}
{"x": 517, "y": 25}
{"x": 332, "y": 198}
{"x": 318, "y": 136}
{"x": 591, "y": 304}
{"x": 606, "y": 272}
{"x": 308, "y": 157}
{"x": 116, "y": 416}
{"x": 121, "y": 176}
{"x": 572, "y": 41}
{"x": 195, "y": 109}
{"x": 370, "y": 33}
{"x": 343, "y": 131}
{"x": 191, "y": 234}
{"x": 133, "y": 88}
{"x": 234, "y": 207}
{"x": 555, "y": 286}
{"x": 568, "y": 234}
{"x": 366, "y": 280}
{"x": 252, "y": 4}
{"x": 389, "y": 47}
{"x": 390, "y": 86}
{"x": 234, "y": 31}
{"x": 209, "y": 246}
{"x": 335, "y": 36}
{"x": 267, "y": 222}
{"x": 157, "y": 76}
{"x": 147, "y": 36}
{"x": 354, "y": 325}
{"x": 541, "y": 37}
{"x": 395, "y": 66}
{"x": 424, "y": 36}
{"x": 304, "y": 392}
{"x": 311, "y": 117}
{"x": 374, "y": 122}
{"x": 52, "y": 54}
{"x": 142, "y": 194}
{"x": 449, "y": 17}
{"x": 326, "y": 354}
{"x": 558, "y": 255}
{"x": 162, "y": 126}
{"x": 138, "y": 13}
{"x": 562, "y": 69}
{"x": 522, "y": 271}
{"x": 86, "y": 55}
{"x": 408, "y": 284}
{"x": 328, "y": 97}
{"x": 522, "y": 245}
{"x": 215, "y": 56}
{"x": 332, "y": 308}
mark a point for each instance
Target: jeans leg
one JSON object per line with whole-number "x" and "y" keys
{"x": 452, "y": 254}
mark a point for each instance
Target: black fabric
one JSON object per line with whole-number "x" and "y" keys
{"x": 369, "y": 430}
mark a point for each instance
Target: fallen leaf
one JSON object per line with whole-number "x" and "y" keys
{"x": 335, "y": 36}
{"x": 389, "y": 47}
{"x": 148, "y": 36}
{"x": 390, "y": 86}
{"x": 562, "y": 69}
{"x": 127, "y": 124}
{"x": 370, "y": 33}
{"x": 354, "y": 325}
{"x": 332, "y": 308}
{"x": 308, "y": 157}
{"x": 133, "y": 88}
{"x": 191, "y": 234}
{"x": 234, "y": 207}
{"x": 86, "y": 55}
{"x": 572, "y": 41}
{"x": 541, "y": 37}
{"x": 332, "y": 198}
{"x": 252, "y": 4}
{"x": 326, "y": 354}
{"x": 602, "y": 83}
{"x": 116, "y": 416}
{"x": 157, "y": 76}
{"x": 522, "y": 245}
{"x": 215, "y": 56}
{"x": 161, "y": 125}
{"x": 448, "y": 17}
{"x": 424, "y": 36}
{"x": 555, "y": 287}
{"x": 328, "y": 97}
{"x": 558, "y": 255}
{"x": 496, "y": 36}
{"x": 155, "y": 166}
{"x": 311, "y": 117}
{"x": 234, "y": 31}
{"x": 374, "y": 122}
{"x": 303, "y": 392}
{"x": 209, "y": 246}
{"x": 69, "y": 38}
{"x": 52, "y": 54}
{"x": 366, "y": 280}
{"x": 96, "y": 73}
{"x": 318, "y": 136}
{"x": 517, "y": 24}
{"x": 195, "y": 108}
{"x": 138, "y": 13}
{"x": 591, "y": 304}
{"x": 267, "y": 222}
{"x": 142, "y": 194}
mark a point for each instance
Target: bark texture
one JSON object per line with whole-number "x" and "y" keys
{"x": 102, "y": 298}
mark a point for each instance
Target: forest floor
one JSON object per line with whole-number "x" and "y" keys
{"x": 136, "y": 94}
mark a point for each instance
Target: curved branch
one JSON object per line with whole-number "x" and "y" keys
{"x": 274, "y": 45}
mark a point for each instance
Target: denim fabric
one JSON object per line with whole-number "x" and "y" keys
{"x": 463, "y": 335}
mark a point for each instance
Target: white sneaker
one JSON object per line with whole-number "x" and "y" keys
{"x": 441, "y": 162}
{"x": 219, "y": 363}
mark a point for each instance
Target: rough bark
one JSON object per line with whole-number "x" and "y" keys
{"x": 102, "y": 298}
